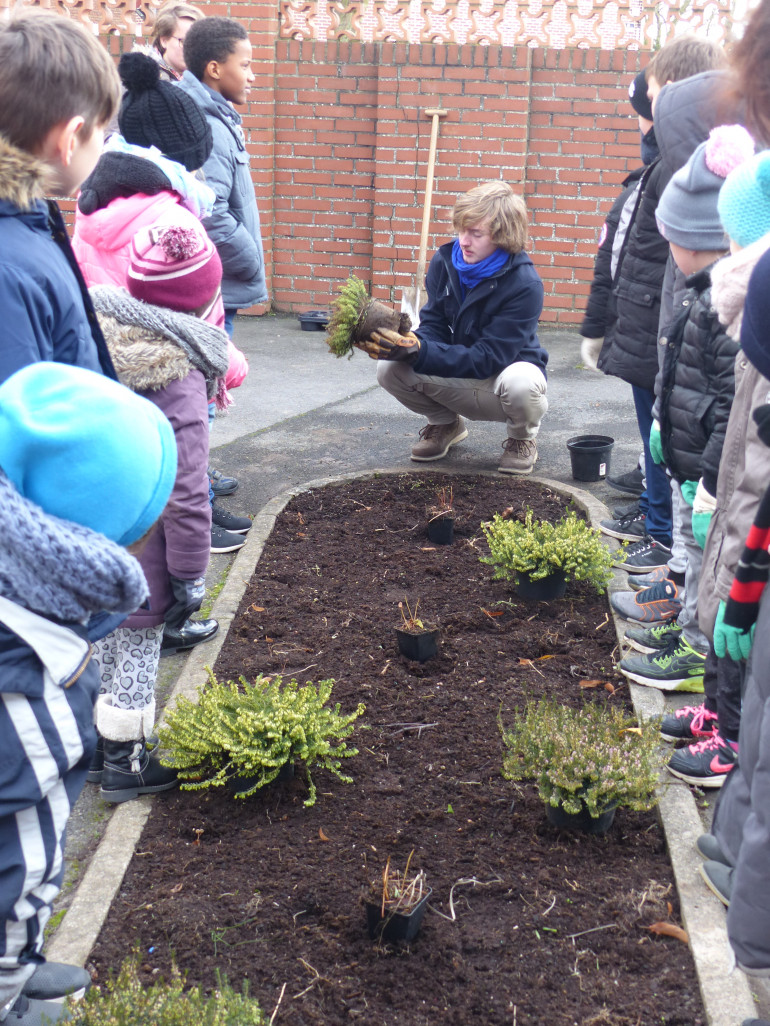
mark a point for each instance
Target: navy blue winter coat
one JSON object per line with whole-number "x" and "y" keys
{"x": 45, "y": 311}
{"x": 494, "y": 326}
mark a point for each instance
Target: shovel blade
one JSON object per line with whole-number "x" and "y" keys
{"x": 410, "y": 304}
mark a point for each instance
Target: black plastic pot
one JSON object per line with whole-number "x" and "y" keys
{"x": 441, "y": 530}
{"x": 551, "y": 587}
{"x": 419, "y": 645}
{"x": 582, "y": 820}
{"x": 590, "y": 456}
{"x": 240, "y": 784}
{"x": 396, "y": 926}
{"x": 314, "y": 320}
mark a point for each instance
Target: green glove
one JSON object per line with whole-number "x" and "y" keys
{"x": 700, "y": 527}
{"x": 731, "y": 641}
{"x": 689, "y": 488}
{"x": 656, "y": 446}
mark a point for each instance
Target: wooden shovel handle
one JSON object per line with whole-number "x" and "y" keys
{"x": 436, "y": 115}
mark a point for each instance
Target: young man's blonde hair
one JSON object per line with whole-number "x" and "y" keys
{"x": 168, "y": 17}
{"x": 685, "y": 56}
{"x": 51, "y": 70}
{"x": 503, "y": 211}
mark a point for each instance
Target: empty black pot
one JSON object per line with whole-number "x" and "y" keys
{"x": 314, "y": 320}
{"x": 590, "y": 456}
{"x": 551, "y": 587}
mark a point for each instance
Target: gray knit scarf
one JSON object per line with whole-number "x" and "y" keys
{"x": 204, "y": 345}
{"x": 60, "y": 569}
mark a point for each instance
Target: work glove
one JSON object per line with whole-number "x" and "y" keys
{"x": 589, "y": 352}
{"x": 732, "y": 641}
{"x": 389, "y": 345}
{"x": 189, "y": 598}
{"x": 703, "y": 507}
{"x": 656, "y": 446}
{"x": 688, "y": 489}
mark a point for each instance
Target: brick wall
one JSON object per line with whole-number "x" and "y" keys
{"x": 351, "y": 140}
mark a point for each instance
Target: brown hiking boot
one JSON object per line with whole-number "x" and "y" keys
{"x": 437, "y": 439}
{"x": 519, "y": 456}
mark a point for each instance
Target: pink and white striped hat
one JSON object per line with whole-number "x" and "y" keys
{"x": 178, "y": 268}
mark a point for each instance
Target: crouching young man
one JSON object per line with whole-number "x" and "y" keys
{"x": 476, "y": 354}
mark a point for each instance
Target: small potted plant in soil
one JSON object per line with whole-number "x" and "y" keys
{"x": 355, "y": 315}
{"x": 416, "y": 639}
{"x": 246, "y": 733}
{"x": 541, "y": 557}
{"x": 396, "y": 907}
{"x": 586, "y": 761}
{"x": 441, "y": 517}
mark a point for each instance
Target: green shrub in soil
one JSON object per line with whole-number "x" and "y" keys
{"x": 589, "y": 758}
{"x": 126, "y": 1001}
{"x": 538, "y": 548}
{"x": 251, "y": 731}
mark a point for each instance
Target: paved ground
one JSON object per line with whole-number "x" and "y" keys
{"x": 303, "y": 415}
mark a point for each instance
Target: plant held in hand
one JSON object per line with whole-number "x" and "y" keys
{"x": 244, "y": 730}
{"x": 355, "y": 316}
{"x": 591, "y": 758}
{"x": 538, "y": 548}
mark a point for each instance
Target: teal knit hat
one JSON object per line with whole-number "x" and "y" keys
{"x": 86, "y": 449}
{"x": 744, "y": 201}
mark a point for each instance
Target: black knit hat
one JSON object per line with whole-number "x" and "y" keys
{"x": 755, "y": 341}
{"x": 637, "y": 94}
{"x": 156, "y": 113}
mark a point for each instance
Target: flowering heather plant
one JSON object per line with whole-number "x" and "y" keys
{"x": 590, "y": 758}
{"x": 538, "y": 548}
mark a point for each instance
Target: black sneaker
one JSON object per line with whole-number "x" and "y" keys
{"x": 705, "y": 763}
{"x": 632, "y": 482}
{"x": 225, "y": 541}
{"x": 690, "y": 723}
{"x": 56, "y": 980}
{"x": 618, "y": 512}
{"x": 630, "y": 528}
{"x": 229, "y": 521}
{"x": 719, "y": 879}
{"x": 645, "y": 555}
{"x": 652, "y": 639}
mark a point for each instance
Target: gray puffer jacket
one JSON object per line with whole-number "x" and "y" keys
{"x": 744, "y": 468}
{"x": 234, "y": 225}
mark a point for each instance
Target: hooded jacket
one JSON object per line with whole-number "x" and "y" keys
{"x": 156, "y": 367}
{"x": 480, "y": 335}
{"x": 744, "y": 469}
{"x": 47, "y": 314}
{"x": 233, "y": 226}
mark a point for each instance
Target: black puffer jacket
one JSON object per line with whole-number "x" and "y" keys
{"x": 698, "y": 387}
{"x": 630, "y": 346}
{"x": 600, "y": 308}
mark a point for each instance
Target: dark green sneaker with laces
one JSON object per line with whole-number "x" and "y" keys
{"x": 677, "y": 668}
{"x": 652, "y": 639}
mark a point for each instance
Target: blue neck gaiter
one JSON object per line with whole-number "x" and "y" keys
{"x": 472, "y": 274}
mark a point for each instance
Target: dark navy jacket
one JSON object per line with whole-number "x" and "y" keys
{"x": 493, "y": 327}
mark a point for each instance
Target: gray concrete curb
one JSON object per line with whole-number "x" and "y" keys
{"x": 726, "y": 995}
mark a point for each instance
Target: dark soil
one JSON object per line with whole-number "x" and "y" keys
{"x": 550, "y": 928}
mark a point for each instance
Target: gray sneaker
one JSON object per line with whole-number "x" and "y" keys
{"x": 519, "y": 456}
{"x": 437, "y": 439}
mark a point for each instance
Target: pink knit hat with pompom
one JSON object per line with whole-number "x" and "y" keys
{"x": 687, "y": 212}
{"x": 178, "y": 268}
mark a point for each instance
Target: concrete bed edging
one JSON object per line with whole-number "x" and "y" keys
{"x": 725, "y": 993}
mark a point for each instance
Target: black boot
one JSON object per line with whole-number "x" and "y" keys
{"x": 130, "y": 770}
{"x": 97, "y": 762}
{"x": 190, "y": 634}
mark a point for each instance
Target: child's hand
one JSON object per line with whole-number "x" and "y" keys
{"x": 589, "y": 352}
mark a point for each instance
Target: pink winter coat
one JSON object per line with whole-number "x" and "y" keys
{"x": 102, "y": 245}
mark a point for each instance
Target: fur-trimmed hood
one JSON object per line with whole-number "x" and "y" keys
{"x": 23, "y": 178}
{"x": 144, "y": 360}
{"x": 730, "y": 282}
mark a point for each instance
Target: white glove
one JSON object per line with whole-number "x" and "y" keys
{"x": 589, "y": 352}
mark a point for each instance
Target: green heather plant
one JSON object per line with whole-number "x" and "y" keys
{"x": 347, "y": 309}
{"x": 126, "y": 1001}
{"x": 242, "y": 730}
{"x": 537, "y": 548}
{"x": 590, "y": 758}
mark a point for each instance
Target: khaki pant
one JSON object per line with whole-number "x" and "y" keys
{"x": 516, "y": 396}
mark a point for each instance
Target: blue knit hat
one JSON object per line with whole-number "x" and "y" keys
{"x": 687, "y": 211}
{"x": 86, "y": 449}
{"x": 744, "y": 202}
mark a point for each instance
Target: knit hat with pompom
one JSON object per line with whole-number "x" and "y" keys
{"x": 687, "y": 212}
{"x": 156, "y": 113}
{"x": 744, "y": 200}
{"x": 178, "y": 268}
